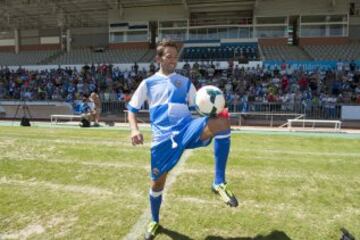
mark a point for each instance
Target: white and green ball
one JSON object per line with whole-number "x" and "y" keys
{"x": 209, "y": 101}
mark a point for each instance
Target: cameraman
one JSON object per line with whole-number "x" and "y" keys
{"x": 88, "y": 112}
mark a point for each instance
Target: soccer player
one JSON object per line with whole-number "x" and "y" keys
{"x": 170, "y": 96}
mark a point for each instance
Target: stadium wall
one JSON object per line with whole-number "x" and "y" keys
{"x": 89, "y": 40}
{"x": 151, "y": 13}
{"x": 274, "y": 8}
{"x": 7, "y": 48}
{"x": 29, "y": 37}
{"x": 272, "y": 41}
{"x": 40, "y": 47}
{"x": 354, "y": 32}
{"x": 129, "y": 45}
{"x": 89, "y": 37}
{"x": 31, "y": 40}
{"x": 354, "y": 28}
{"x": 323, "y": 40}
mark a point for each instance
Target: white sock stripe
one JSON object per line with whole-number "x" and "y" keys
{"x": 155, "y": 194}
{"x": 222, "y": 136}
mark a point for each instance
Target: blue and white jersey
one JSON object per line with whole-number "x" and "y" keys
{"x": 169, "y": 99}
{"x": 87, "y": 107}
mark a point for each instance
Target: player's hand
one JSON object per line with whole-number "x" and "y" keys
{"x": 136, "y": 137}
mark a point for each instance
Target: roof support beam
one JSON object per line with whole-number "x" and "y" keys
{"x": 220, "y": 9}
{"x": 234, "y": 4}
{"x": 186, "y": 8}
{"x": 120, "y": 6}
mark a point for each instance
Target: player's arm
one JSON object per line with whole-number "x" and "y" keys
{"x": 134, "y": 106}
{"x": 136, "y": 135}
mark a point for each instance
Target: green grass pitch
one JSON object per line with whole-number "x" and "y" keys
{"x": 72, "y": 183}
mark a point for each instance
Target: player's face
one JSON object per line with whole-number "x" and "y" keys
{"x": 168, "y": 60}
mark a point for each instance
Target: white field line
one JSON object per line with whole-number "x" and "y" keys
{"x": 58, "y": 187}
{"x": 271, "y": 174}
{"x": 139, "y": 227}
{"x": 300, "y": 152}
{"x": 88, "y": 141}
{"x": 24, "y": 233}
{"x": 35, "y": 228}
{"x": 89, "y": 163}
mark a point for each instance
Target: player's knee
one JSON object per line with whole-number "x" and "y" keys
{"x": 225, "y": 122}
{"x": 217, "y": 125}
{"x": 158, "y": 184}
{"x": 221, "y": 124}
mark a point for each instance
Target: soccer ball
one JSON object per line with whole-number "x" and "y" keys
{"x": 209, "y": 101}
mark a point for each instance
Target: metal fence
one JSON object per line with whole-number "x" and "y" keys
{"x": 314, "y": 112}
{"x": 113, "y": 107}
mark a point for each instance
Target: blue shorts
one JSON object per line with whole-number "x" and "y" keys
{"x": 164, "y": 157}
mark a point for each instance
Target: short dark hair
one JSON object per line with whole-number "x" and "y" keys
{"x": 162, "y": 45}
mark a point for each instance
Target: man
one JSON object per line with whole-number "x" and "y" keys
{"x": 87, "y": 111}
{"x": 95, "y": 98}
{"x": 169, "y": 96}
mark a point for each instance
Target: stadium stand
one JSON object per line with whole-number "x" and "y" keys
{"x": 86, "y": 55}
{"x": 284, "y": 52}
{"x": 346, "y": 52}
{"x": 224, "y": 52}
{"x": 25, "y": 57}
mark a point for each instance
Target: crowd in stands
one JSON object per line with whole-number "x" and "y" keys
{"x": 69, "y": 84}
{"x": 283, "y": 84}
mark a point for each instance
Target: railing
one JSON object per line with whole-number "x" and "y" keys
{"x": 313, "y": 112}
{"x": 113, "y": 107}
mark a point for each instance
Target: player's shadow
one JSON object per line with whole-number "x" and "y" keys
{"x": 173, "y": 235}
{"x": 274, "y": 235}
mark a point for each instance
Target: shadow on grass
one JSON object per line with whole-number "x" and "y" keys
{"x": 274, "y": 235}
{"x": 173, "y": 235}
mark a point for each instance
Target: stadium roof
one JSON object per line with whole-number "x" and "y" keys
{"x": 30, "y": 14}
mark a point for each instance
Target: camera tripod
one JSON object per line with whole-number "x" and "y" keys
{"x": 26, "y": 117}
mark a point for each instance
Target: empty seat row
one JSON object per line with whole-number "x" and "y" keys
{"x": 26, "y": 57}
{"x": 348, "y": 52}
{"x": 220, "y": 53}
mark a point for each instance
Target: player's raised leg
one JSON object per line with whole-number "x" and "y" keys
{"x": 219, "y": 129}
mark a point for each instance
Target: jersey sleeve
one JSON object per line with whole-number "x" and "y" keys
{"x": 138, "y": 99}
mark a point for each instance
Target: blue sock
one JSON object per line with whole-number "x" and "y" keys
{"x": 221, "y": 152}
{"x": 155, "y": 202}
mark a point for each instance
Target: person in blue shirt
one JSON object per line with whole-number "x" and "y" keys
{"x": 171, "y": 97}
{"x": 87, "y": 111}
